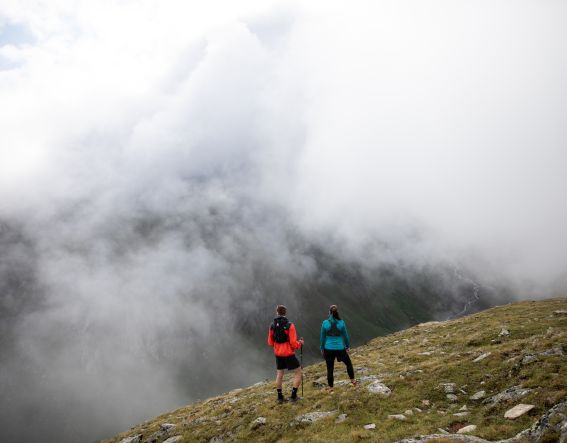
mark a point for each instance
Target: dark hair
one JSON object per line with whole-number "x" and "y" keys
{"x": 334, "y": 312}
{"x": 281, "y": 310}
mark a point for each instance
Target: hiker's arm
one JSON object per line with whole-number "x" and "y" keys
{"x": 346, "y": 337}
{"x": 293, "y": 338}
{"x": 270, "y": 338}
{"x": 323, "y": 336}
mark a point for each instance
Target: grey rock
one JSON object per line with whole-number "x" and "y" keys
{"x": 174, "y": 439}
{"x": 370, "y": 426}
{"x": 367, "y": 379}
{"x": 260, "y": 421}
{"x": 558, "y": 351}
{"x": 341, "y": 418}
{"x": 461, "y": 414}
{"x": 528, "y": 359}
{"x": 482, "y": 357}
{"x": 448, "y": 388}
{"x": 504, "y": 332}
{"x": 400, "y": 417}
{"x": 132, "y": 439}
{"x": 452, "y": 397}
{"x": 312, "y": 417}
{"x": 221, "y": 438}
{"x": 379, "y": 388}
{"x": 467, "y": 429}
{"x": 518, "y": 411}
{"x": 553, "y": 420}
{"x": 510, "y": 394}
{"x": 560, "y": 313}
{"x": 408, "y": 412}
{"x": 321, "y": 382}
{"x": 478, "y": 395}
{"x": 168, "y": 427}
{"x": 443, "y": 431}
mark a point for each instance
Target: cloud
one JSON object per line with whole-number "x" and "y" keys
{"x": 168, "y": 173}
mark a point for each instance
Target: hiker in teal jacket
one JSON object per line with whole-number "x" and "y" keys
{"x": 335, "y": 344}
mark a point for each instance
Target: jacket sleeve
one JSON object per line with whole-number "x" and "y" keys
{"x": 323, "y": 336}
{"x": 346, "y": 338}
{"x": 270, "y": 338}
{"x": 293, "y": 337}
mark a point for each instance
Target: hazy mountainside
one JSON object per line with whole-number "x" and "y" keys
{"x": 498, "y": 374}
{"x": 86, "y": 324}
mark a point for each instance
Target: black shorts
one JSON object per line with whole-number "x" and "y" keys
{"x": 290, "y": 363}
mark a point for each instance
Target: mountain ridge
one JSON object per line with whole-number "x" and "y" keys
{"x": 424, "y": 383}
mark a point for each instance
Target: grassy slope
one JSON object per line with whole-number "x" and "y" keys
{"x": 412, "y": 377}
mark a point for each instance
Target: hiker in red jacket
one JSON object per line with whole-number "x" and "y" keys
{"x": 283, "y": 338}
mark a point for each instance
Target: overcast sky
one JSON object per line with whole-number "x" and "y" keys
{"x": 151, "y": 147}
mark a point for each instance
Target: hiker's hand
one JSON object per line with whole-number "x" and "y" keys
{"x": 301, "y": 341}
{"x": 348, "y": 350}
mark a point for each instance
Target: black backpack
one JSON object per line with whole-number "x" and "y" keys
{"x": 333, "y": 330}
{"x": 279, "y": 326}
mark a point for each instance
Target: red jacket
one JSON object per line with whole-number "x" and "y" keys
{"x": 284, "y": 349}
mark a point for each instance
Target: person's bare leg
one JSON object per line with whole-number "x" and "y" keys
{"x": 297, "y": 378}
{"x": 279, "y": 378}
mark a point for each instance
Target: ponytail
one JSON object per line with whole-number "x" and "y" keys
{"x": 334, "y": 312}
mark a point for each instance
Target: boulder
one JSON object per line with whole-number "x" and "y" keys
{"x": 560, "y": 313}
{"x": 479, "y": 395}
{"x": 174, "y": 439}
{"x": 132, "y": 439}
{"x": 260, "y": 421}
{"x": 504, "y": 332}
{"x": 510, "y": 394}
{"x": 400, "y": 417}
{"x": 558, "y": 351}
{"x": 221, "y": 438}
{"x": 341, "y": 418}
{"x": 312, "y": 417}
{"x": 528, "y": 359}
{"x": 370, "y": 426}
{"x": 467, "y": 429}
{"x": 321, "y": 382}
{"x": 518, "y": 411}
{"x": 452, "y": 397}
{"x": 368, "y": 378}
{"x": 482, "y": 357}
{"x": 448, "y": 388}
{"x": 379, "y": 388}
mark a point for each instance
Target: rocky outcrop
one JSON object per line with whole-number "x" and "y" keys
{"x": 511, "y": 394}
{"x": 551, "y": 427}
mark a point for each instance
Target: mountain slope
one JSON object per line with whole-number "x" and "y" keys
{"x": 433, "y": 372}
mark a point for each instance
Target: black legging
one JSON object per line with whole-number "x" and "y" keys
{"x": 330, "y": 360}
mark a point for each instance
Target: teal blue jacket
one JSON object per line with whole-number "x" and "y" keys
{"x": 334, "y": 343}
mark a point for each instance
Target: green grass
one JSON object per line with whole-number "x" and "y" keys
{"x": 412, "y": 377}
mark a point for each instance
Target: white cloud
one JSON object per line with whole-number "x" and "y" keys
{"x": 157, "y": 154}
